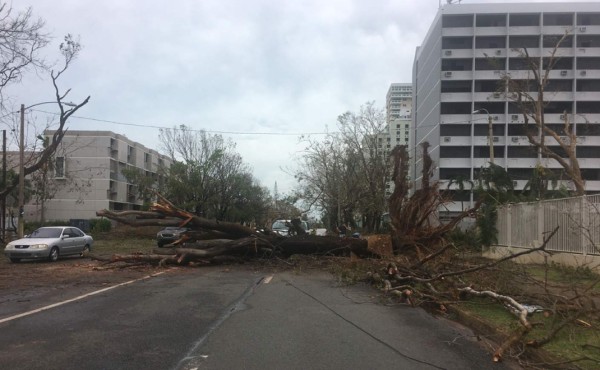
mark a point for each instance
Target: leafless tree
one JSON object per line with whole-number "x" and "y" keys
{"x": 21, "y": 39}
{"x": 529, "y": 95}
{"x": 69, "y": 49}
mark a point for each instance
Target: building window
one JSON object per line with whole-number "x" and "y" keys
{"x": 588, "y": 19}
{"x": 59, "y": 167}
{"x": 552, "y": 41}
{"x": 455, "y": 152}
{"x": 456, "y": 86}
{"x": 558, "y": 19}
{"x": 459, "y": 20}
{"x": 457, "y": 64}
{"x": 490, "y": 42}
{"x": 524, "y": 20}
{"x": 588, "y": 63}
{"x": 491, "y": 20}
{"x": 457, "y": 43}
{"x": 518, "y": 42}
{"x": 588, "y": 41}
{"x": 490, "y": 64}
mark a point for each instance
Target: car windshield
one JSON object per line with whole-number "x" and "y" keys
{"x": 279, "y": 225}
{"x": 45, "y": 232}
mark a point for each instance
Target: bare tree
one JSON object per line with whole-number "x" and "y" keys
{"x": 529, "y": 95}
{"x": 69, "y": 49}
{"x": 21, "y": 38}
{"x": 346, "y": 174}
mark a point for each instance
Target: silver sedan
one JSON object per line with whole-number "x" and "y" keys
{"x": 49, "y": 242}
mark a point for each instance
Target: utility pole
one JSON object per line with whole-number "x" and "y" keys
{"x": 3, "y": 210}
{"x": 21, "y": 226}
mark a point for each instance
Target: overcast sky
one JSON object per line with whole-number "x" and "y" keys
{"x": 252, "y": 66}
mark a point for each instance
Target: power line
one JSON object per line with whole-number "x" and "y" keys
{"x": 190, "y": 129}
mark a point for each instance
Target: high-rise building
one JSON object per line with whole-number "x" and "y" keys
{"x": 456, "y": 73}
{"x": 398, "y": 101}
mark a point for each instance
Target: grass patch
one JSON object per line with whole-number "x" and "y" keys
{"x": 567, "y": 275}
{"x": 123, "y": 246}
{"x": 571, "y": 343}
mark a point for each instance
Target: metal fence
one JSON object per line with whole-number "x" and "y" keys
{"x": 526, "y": 224}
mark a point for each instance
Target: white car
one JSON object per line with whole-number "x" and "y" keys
{"x": 49, "y": 242}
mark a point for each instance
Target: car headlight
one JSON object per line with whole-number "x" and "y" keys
{"x": 38, "y": 246}
{"x": 10, "y": 246}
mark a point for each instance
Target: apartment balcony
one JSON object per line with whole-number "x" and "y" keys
{"x": 489, "y": 96}
{"x": 484, "y": 118}
{"x": 484, "y": 141}
{"x": 490, "y": 53}
{"x": 457, "y": 75}
{"x": 455, "y": 162}
{"x": 587, "y": 73}
{"x": 559, "y": 53}
{"x": 584, "y": 30}
{"x": 557, "y": 30}
{"x": 592, "y": 185}
{"x": 488, "y": 75}
{"x": 490, "y": 31}
{"x": 524, "y": 30}
{"x": 586, "y": 95}
{"x": 589, "y": 162}
{"x": 457, "y": 31}
{"x": 556, "y": 95}
{"x": 517, "y": 141}
{"x": 588, "y": 52}
{"x": 521, "y": 74}
{"x": 457, "y": 53}
{"x": 586, "y": 118}
{"x": 484, "y": 162}
{"x": 455, "y": 118}
{"x": 521, "y": 162}
{"x": 456, "y": 97}
{"x": 533, "y": 53}
{"x": 589, "y": 140}
{"x": 455, "y": 140}
{"x": 561, "y": 74}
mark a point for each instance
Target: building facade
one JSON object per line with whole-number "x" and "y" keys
{"x": 457, "y": 102}
{"x": 87, "y": 175}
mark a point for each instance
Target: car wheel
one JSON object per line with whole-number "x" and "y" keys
{"x": 53, "y": 257}
{"x": 15, "y": 260}
{"x": 160, "y": 245}
{"x": 85, "y": 251}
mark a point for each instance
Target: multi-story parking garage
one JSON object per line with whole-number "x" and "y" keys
{"x": 456, "y": 75}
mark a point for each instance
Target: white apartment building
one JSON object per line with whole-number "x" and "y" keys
{"x": 456, "y": 72}
{"x": 88, "y": 175}
{"x": 398, "y": 101}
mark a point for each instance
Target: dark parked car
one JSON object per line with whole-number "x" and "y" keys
{"x": 169, "y": 234}
{"x": 49, "y": 242}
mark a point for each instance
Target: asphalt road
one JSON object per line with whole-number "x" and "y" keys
{"x": 225, "y": 319}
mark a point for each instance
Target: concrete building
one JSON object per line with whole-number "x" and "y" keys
{"x": 88, "y": 175}
{"x": 468, "y": 48}
{"x": 398, "y": 101}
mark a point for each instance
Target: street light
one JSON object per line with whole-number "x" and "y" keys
{"x": 21, "y": 226}
{"x": 490, "y": 132}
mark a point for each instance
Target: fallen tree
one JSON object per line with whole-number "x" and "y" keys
{"x": 208, "y": 241}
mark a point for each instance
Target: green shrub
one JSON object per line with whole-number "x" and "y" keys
{"x": 100, "y": 225}
{"x": 33, "y": 225}
{"x": 465, "y": 239}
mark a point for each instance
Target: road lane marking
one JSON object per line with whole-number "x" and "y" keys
{"x": 268, "y": 279}
{"x": 77, "y": 298}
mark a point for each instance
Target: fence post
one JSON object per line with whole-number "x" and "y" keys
{"x": 540, "y": 206}
{"x": 508, "y": 229}
{"x": 585, "y": 225}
